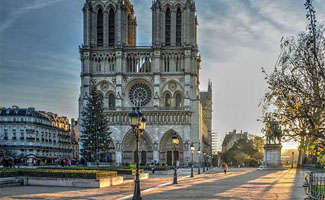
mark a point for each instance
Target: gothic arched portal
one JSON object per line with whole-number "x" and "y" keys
{"x": 129, "y": 148}
{"x": 167, "y": 153}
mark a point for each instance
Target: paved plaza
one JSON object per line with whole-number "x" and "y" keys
{"x": 237, "y": 184}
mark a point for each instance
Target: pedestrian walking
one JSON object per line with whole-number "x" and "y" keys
{"x": 153, "y": 168}
{"x": 225, "y": 168}
{"x": 69, "y": 163}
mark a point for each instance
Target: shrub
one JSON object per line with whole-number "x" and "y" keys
{"x": 119, "y": 170}
{"x": 58, "y": 173}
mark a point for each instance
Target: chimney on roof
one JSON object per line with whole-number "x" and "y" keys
{"x": 31, "y": 109}
{"x": 15, "y": 107}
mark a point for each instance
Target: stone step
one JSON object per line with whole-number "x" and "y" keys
{"x": 11, "y": 181}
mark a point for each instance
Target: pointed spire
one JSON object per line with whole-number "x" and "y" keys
{"x": 210, "y": 88}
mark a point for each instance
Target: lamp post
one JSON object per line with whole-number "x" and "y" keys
{"x": 138, "y": 123}
{"x": 192, "y": 150}
{"x": 199, "y": 153}
{"x": 204, "y": 165}
{"x": 293, "y": 154}
{"x": 175, "y": 141}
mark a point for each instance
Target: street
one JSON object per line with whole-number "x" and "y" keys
{"x": 244, "y": 183}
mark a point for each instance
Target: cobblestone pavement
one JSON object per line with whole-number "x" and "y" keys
{"x": 237, "y": 184}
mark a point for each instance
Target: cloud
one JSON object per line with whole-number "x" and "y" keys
{"x": 13, "y": 10}
{"x": 40, "y": 63}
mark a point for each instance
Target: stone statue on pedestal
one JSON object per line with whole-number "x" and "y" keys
{"x": 272, "y": 147}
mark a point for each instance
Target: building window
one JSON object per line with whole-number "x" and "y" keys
{"x": 179, "y": 27}
{"x": 14, "y": 137}
{"x": 178, "y": 100}
{"x": 140, "y": 94}
{"x": 166, "y": 64}
{"x": 98, "y": 66}
{"x": 111, "y": 102}
{"x": 129, "y": 32}
{"x": 178, "y": 64}
{"x": 111, "y": 28}
{"x": 168, "y": 26}
{"x": 167, "y": 100}
{"x": 100, "y": 28}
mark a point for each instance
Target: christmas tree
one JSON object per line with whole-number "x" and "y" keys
{"x": 95, "y": 133}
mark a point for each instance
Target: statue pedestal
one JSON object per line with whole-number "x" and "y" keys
{"x": 272, "y": 156}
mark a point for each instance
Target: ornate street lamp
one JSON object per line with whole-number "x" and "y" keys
{"x": 134, "y": 118}
{"x": 175, "y": 141}
{"x": 192, "y": 150}
{"x": 199, "y": 153}
{"x": 138, "y": 124}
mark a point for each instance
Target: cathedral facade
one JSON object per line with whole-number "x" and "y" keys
{"x": 161, "y": 79}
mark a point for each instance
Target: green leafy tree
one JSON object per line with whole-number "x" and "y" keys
{"x": 258, "y": 156}
{"x": 322, "y": 161}
{"x": 296, "y": 88}
{"x": 95, "y": 133}
{"x": 241, "y": 146}
{"x": 242, "y": 158}
{"x": 258, "y": 143}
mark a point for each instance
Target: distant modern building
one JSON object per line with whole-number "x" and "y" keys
{"x": 214, "y": 143}
{"x": 35, "y": 135}
{"x": 231, "y": 138}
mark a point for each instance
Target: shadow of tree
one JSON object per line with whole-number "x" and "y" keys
{"x": 209, "y": 189}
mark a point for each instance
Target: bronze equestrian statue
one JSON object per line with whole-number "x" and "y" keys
{"x": 274, "y": 132}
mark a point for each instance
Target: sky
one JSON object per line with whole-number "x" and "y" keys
{"x": 40, "y": 65}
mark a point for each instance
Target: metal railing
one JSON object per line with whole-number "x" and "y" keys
{"x": 314, "y": 186}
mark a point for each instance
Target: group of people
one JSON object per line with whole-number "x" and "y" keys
{"x": 64, "y": 162}
{"x": 10, "y": 162}
{"x": 7, "y": 162}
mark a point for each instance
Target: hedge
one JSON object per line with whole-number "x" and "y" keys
{"x": 120, "y": 171}
{"x": 57, "y": 173}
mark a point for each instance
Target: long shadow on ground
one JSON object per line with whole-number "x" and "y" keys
{"x": 30, "y": 190}
{"x": 297, "y": 187}
{"x": 210, "y": 189}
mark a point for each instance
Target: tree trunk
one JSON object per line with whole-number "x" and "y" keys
{"x": 301, "y": 145}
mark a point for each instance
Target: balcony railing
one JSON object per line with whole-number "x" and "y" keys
{"x": 150, "y": 109}
{"x": 30, "y": 139}
{"x": 171, "y": 117}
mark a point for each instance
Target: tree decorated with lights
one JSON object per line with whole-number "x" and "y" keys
{"x": 296, "y": 88}
{"x": 95, "y": 133}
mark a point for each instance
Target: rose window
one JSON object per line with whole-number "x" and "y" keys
{"x": 140, "y": 94}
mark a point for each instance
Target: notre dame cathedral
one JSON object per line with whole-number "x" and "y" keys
{"x": 163, "y": 79}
